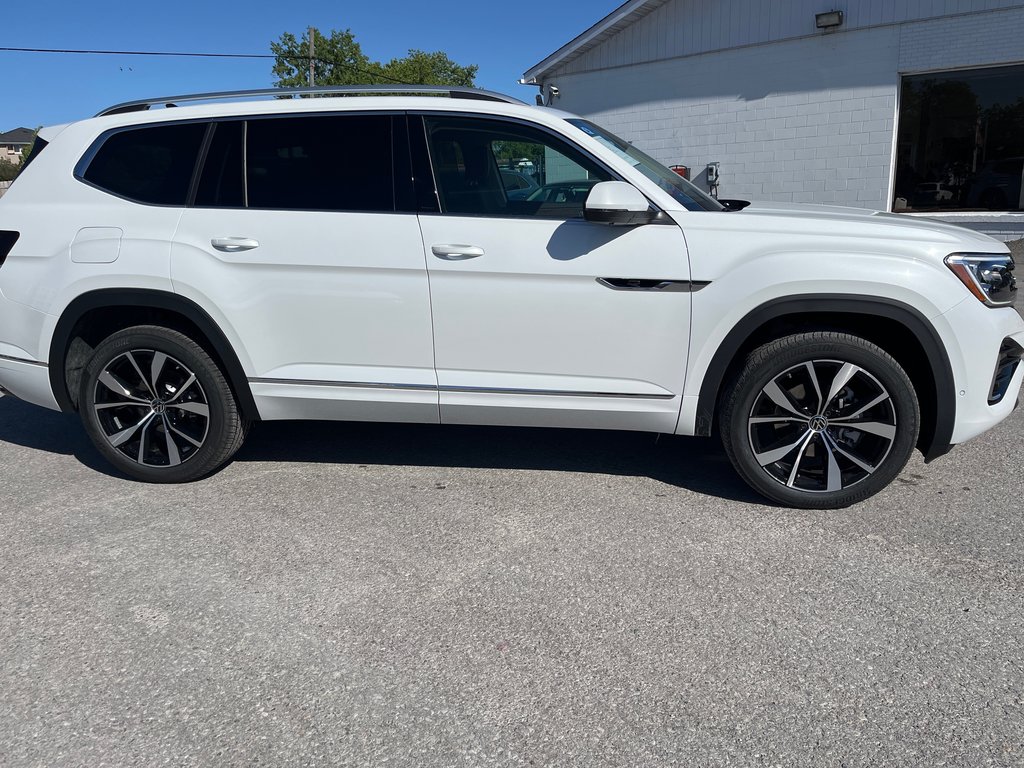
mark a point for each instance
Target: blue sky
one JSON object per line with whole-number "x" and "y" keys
{"x": 504, "y": 39}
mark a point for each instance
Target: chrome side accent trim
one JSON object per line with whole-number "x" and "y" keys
{"x": 661, "y": 286}
{"x": 553, "y": 393}
{"x": 346, "y": 384}
{"x": 22, "y": 360}
{"x": 464, "y": 390}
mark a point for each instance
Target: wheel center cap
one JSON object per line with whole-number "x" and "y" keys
{"x": 158, "y": 407}
{"x": 818, "y": 423}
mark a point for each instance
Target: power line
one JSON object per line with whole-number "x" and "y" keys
{"x": 151, "y": 53}
{"x": 195, "y": 54}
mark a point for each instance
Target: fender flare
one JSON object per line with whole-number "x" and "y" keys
{"x": 826, "y": 304}
{"x": 149, "y": 299}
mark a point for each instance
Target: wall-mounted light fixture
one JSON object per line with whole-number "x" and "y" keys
{"x": 829, "y": 20}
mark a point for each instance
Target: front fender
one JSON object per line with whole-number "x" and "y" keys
{"x": 713, "y": 361}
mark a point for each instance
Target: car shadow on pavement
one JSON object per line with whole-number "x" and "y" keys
{"x": 696, "y": 464}
{"x": 43, "y": 430}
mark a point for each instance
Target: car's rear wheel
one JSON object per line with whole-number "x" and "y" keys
{"x": 820, "y": 420}
{"x": 157, "y": 406}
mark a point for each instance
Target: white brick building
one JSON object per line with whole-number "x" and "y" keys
{"x": 795, "y": 113}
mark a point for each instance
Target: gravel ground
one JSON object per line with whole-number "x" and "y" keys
{"x": 419, "y": 596}
{"x": 1017, "y": 249}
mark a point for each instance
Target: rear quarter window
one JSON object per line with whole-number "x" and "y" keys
{"x": 151, "y": 165}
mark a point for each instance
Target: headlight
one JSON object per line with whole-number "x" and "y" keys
{"x": 989, "y": 276}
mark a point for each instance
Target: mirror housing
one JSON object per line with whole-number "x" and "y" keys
{"x": 734, "y": 205}
{"x": 618, "y": 204}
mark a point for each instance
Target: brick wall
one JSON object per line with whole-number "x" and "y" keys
{"x": 969, "y": 40}
{"x": 783, "y": 122}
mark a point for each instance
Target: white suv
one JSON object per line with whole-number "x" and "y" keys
{"x": 176, "y": 274}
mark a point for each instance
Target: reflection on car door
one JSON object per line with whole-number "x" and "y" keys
{"x": 540, "y": 317}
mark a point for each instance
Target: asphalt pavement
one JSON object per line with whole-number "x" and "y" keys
{"x": 453, "y": 596}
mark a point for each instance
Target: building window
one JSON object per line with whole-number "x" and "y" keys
{"x": 961, "y": 141}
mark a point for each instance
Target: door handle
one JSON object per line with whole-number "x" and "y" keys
{"x": 457, "y": 252}
{"x": 234, "y": 244}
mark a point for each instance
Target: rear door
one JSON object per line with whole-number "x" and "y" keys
{"x": 540, "y": 317}
{"x": 295, "y": 239}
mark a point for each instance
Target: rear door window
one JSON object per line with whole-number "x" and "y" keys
{"x": 321, "y": 162}
{"x": 153, "y": 164}
{"x": 222, "y": 183}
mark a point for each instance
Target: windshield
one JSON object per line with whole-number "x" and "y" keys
{"x": 691, "y": 198}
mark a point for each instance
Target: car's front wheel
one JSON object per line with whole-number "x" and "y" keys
{"x": 819, "y": 420}
{"x": 157, "y": 406}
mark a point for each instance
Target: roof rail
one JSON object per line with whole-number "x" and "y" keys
{"x": 452, "y": 92}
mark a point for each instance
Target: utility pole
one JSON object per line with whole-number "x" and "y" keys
{"x": 312, "y": 56}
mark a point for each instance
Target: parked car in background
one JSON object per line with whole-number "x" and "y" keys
{"x": 173, "y": 275}
{"x": 563, "y": 192}
{"x": 518, "y": 185}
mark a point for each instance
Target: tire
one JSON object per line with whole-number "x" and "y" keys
{"x": 158, "y": 408}
{"x": 819, "y": 451}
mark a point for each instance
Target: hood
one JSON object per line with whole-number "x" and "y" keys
{"x": 841, "y": 220}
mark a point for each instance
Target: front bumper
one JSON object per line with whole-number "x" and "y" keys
{"x": 981, "y": 336}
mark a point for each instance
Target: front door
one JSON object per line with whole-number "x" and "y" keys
{"x": 541, "y": 318}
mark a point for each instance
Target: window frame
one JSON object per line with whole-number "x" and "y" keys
{"x": 422, "y": 116}
{"x": 82, "y": 166}
{"x": 397, "y": 133}
{"x": 391, "y": 113}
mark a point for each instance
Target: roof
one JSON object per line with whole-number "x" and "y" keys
{"x": 17, "y": 136}
{"x": 626, "y": 14}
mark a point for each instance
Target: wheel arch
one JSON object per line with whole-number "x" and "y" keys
{"x": 898, "y": 328}
{"x": 118, "y": 308}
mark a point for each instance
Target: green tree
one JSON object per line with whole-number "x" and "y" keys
{"x": 340, "y": 61}
{"x": 8, "y": 170}
{"x": 424, "y": 68}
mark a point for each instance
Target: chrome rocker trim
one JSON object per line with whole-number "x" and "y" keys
{"x": 465, "y": 390}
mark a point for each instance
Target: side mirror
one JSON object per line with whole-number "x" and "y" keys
{"x": 734, "y": 205}
{"x": 619, "y": 204}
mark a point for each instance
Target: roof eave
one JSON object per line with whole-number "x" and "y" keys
{"x": 584, "y": 41}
